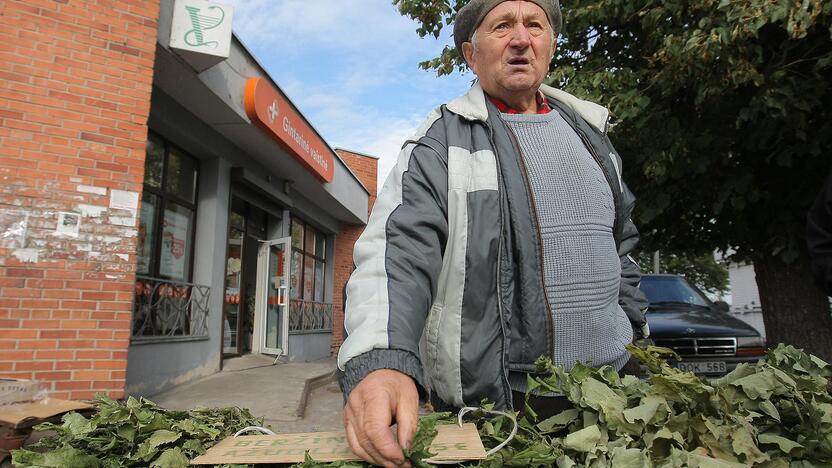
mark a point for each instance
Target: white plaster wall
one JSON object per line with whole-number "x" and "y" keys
{"x": 744, "y": 293}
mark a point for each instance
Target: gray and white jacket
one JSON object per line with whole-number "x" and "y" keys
{"x": 452, "y": 254}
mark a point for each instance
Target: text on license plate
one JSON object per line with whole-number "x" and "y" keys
{"x": 702, "y": 367}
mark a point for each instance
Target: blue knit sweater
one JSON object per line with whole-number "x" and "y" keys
{"x": 581, "y": 267}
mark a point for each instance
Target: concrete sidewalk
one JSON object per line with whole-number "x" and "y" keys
{"x": 277, "y": 393}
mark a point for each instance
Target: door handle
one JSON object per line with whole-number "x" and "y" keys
{"x": 281, "y": 295}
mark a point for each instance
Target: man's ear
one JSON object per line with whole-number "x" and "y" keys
{"x": 468, "y": 55}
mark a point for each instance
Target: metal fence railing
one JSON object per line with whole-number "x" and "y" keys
{"x": 309, "y": 316}
{"x": 169, "y": 309}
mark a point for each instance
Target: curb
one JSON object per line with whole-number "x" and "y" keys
{"x": 311, "y": 384}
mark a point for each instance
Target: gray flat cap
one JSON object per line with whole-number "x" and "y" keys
{"x": 471, "y": 15}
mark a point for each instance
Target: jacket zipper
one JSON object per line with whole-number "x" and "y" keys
{"x": 550, "y": 329}
{"x": 506, "y": 384}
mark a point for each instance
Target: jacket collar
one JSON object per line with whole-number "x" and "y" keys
{"x": 472, "y": 106}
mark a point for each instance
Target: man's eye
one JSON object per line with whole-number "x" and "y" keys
{"x": 502, "y": 26}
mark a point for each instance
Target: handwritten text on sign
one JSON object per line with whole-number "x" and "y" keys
{"x": 451, "y": 443}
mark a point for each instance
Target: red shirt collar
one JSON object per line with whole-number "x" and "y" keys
{"x": 542, "y": 105}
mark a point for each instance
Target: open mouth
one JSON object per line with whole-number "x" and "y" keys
{"x": 518, "y": 61}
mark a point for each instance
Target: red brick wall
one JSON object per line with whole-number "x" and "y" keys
{"x": 75, "y": 81}
{"x": 366, "y": 169}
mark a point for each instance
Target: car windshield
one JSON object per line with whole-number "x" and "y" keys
{"x": 671, "y": 289}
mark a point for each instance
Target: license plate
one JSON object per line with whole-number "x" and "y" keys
{"x": 702, "y": 367}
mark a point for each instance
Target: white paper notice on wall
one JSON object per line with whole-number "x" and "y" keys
{"x": 69, "y": 224}
{"x": 13, "y": 230}
{"x": 124, "y": 200}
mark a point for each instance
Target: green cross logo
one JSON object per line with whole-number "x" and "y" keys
{"x": 202, "y": 23}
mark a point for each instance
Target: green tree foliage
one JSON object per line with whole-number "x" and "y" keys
{"x": 701, "y": 269}
{"x": 724, "y": 113}
{"x": 724, "y": 109}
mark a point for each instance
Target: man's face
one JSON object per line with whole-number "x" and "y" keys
{"x": 514, "y": 45}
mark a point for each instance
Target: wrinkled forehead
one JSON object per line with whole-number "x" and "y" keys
{"x": 514, "y": 10}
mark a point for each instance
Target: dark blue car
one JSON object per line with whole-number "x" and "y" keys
{"x": 709, "y": 340}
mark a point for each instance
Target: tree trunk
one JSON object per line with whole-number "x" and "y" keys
{"x": 795, "y": 311}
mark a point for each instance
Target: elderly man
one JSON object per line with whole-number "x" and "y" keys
{"x": 501, "y": 235}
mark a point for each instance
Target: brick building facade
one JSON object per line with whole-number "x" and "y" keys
{"x": 97, "y": 293}
{"x": 75, "y": 84}
{"x": 366, "y": 169}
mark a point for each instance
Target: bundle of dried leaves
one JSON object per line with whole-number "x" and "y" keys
{"x": 775, "y": 414}
{"x": 134, "y": 433}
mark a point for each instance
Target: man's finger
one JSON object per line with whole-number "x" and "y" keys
{"x": 377, "y": 419}
{"x": 355, "y": 417}
{"x": 356, "y": 447}
{"x": 407, "y": 419}
{"x": 371, "y": 407}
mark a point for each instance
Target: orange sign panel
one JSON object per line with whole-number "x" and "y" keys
{"x": 267, "y": 108}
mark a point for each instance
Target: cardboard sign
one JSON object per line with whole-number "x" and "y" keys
{"x": 19, "y": 413}
{"x": 452, "y": 442}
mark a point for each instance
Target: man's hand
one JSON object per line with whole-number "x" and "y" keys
{"x": 380, "y": 397}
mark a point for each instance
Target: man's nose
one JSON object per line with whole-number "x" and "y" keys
{"x": 520, "y": 36}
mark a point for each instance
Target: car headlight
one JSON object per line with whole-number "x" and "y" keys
{"x": 750, "y": 346}
{"x": 750, "y": 341}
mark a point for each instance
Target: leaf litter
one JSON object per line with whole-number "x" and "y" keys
{"x": 774, "y": 414}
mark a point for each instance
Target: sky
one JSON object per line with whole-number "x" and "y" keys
{"x": 351, "y": 67}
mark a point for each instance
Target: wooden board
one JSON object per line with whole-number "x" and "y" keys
{"x": 451, "y": 443}
{"x": 18, "y": 413}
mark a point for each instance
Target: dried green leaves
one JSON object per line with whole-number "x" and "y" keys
{"x": 134, "y": 433}
{"x": 774, "y": 414}
{"x": 770, "y": 415}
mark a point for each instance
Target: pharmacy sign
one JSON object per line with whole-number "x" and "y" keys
{"x": 202, "y": 27}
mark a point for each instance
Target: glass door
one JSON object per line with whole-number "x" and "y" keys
{"x": 273, "y": 294}
{"x": 233, "y": 283}
{"x": 246, "y": 229}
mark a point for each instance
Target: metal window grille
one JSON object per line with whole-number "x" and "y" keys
{"x": 309, "y": 317}
{"x": 169, "y": 309}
